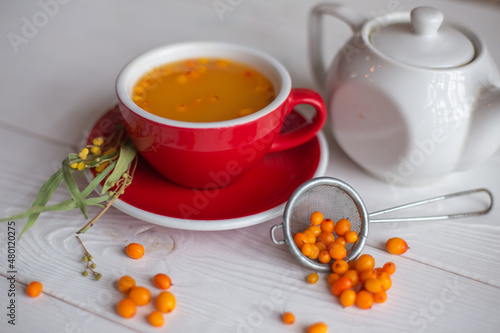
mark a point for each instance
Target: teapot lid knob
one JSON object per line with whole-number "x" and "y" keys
{"x": 422, "y": 38}
{"x": 426, "y": 21}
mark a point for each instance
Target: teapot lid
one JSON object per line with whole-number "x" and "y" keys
{"x": 424, "y": 41}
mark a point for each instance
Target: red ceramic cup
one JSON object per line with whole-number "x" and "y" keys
{"x": 214, "y": 154}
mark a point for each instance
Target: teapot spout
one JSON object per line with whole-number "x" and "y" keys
{"x": 484, "y": 128}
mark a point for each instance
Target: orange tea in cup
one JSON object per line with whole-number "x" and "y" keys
{"x": 216, "y": 143}
{"x": 203, "y": 90}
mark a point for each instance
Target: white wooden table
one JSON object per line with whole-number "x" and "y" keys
{"x": 57, "y": 77}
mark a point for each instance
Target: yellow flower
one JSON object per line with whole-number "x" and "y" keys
{"x": 81, "y": 166}
{"x": 98, "y": 141}
{"x": 83, "y": 154}
{"x": 95, "y": 150}
{"x": 74, "y": 165}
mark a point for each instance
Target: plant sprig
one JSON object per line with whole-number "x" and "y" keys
{"x": 89, "y": 260}
{"x": 113, "y": 159}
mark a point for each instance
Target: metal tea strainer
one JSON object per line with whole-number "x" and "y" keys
{"x": 337, "y": 199}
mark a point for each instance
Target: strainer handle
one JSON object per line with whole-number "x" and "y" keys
{"x": 435, "y": 217}
{"x": 273, "y": 238}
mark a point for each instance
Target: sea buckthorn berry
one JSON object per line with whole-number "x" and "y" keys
{"x": 340, "y": 266}
{"x": 327, "y": 225}
{"x": 353, "y": 275}
{"x": 135, "y": 250}
{"x": 351, "y": 236}
{"x": 324, "y": 257}
{"x": 318, "y": 328}
{"x": 162, "y": 281}
{"x": 125, "y": 283}
{"x": 316, "y": 218}
{"x": 364, "y": 299}
{"x": 373, "y": 285}
{"x": 311, "y": 239}
{"x": 288, "y": 318}
{"x": 156, "y": 319}
{"x": 341, "y": 284}
{"x": 140, "y": 295}
{"x": 364, "y": 262}
{"x": 34, "y": 289}
{"x": 312, "y": 278}
{"x": 367, "y": 274}
{"x": 321, "y": 246}
{"x": 165, "y": 302}
{"x": 306, "y": 249}
{"x": 386, "y": 281}
{"x": 126, "y": 308}
{"x": 314, "y": 252}
{"x": 332, "y": 277}
{"x": 300, "y": 239}
{"x": 380, "y": 297}
{"x": 337, "y": 251}
{"x": 389, "y": 268}
{"x": 110, "y": 151}
{"x": 316, "y": 230}
{"x": 396, "y": 245}
{"x": 348, "y": 297}
{"x": 326, "y": 238}
{"x": 195, "y": 74}
{"x": 101, "y": 167}
{"x": 342, "y": 227}
{"x": 341, "y": 240}
{"x": 245, "y": 112}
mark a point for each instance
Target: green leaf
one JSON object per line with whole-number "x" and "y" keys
{"x": 96, "y": 201}
{"x": 127, "y": 155}
{"x": 72, "y": 187}
{"x": 44, "y": 195}
{"x": 65, "y": 205}
{"x": 98, "y": 179}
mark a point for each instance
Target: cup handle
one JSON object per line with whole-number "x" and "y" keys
{"x": 347, "y": 15}
{"x": 305, "y": 133}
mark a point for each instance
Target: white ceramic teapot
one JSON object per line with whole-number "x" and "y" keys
{"x": 411, "y": 97}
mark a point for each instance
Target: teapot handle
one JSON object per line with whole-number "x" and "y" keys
{"x": 345, "y": 14}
